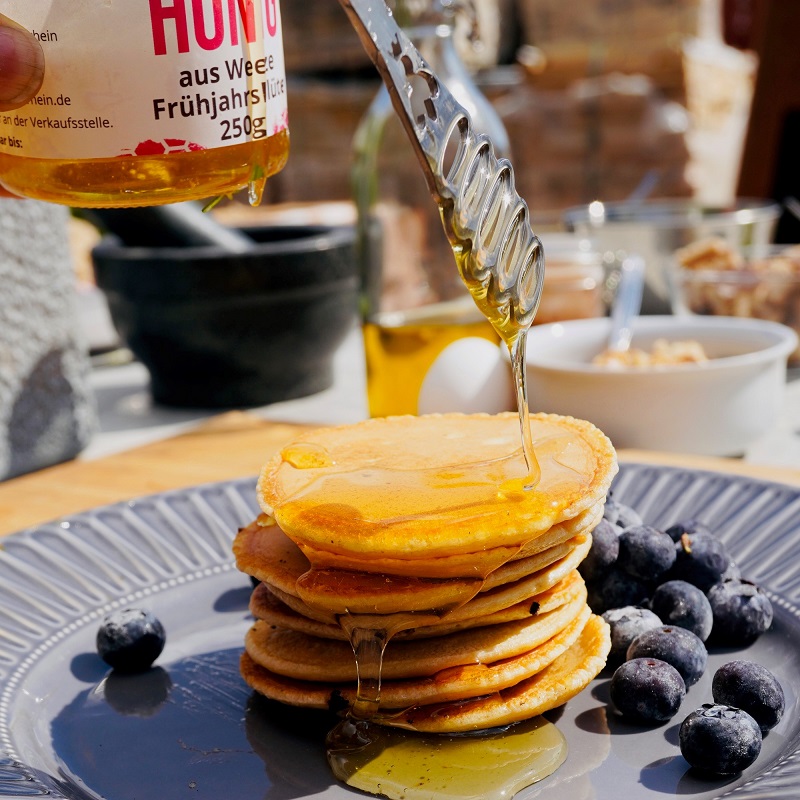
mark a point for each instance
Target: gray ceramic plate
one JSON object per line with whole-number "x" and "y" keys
{"x": 191, "y": 728}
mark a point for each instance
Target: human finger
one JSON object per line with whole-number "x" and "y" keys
{"x": 21, "y": 65}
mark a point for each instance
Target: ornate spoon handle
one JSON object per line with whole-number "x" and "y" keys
{"x": 487, "y": 222}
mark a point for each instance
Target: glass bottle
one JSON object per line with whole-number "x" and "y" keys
{"x": 414, "y": 303}
{"x": 147, "y": 103}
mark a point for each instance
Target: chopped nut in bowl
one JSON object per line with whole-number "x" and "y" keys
{"x": 662, "y": 353}
{"x": 711, "y": 278}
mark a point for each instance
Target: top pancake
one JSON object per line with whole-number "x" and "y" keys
{"x": 436, "y": 485}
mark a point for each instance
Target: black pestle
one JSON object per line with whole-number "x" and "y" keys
{"x": 174, "y": 225}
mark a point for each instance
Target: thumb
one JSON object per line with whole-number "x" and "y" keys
{"x": 21, "y": 65}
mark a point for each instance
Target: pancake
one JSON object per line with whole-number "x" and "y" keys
{"x": 468, "y": 681}
{"x": 414, "y": 487}
{"x": 463, "y": 565}
{"x": 484, "y": 603}
{"x": 298, "y": 655}
{"x": 270, "y": 556}
{"x": 557, "y": 681}
{"x": 420, "y": 531}
{"x": 267, "y": 606}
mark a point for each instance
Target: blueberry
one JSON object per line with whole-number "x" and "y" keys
{"x": 742, "y": 612}
{"x": 647, "y": 691}
{"x": 701, "y": 559}
{"x": 603, "y": 553}
{"x": 626, "y": 624}
{"x": 720, "y": 739}
{"x": 130, "y": 640}
{"x": 679, "y": 603}
{"x": 751, "y": 687}
{"x": 690, "y": 526}
{"x": 732, "y": 573}
{"x": 617, "y": 589}
{"x": 645, "y": 552}
{"x": 620, "y": 514}
{"x": 676, "y": 646}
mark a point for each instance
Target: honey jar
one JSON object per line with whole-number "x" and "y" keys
{"x": 149, "y": 102}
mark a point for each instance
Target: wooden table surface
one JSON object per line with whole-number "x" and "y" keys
{"x": 232, "y": 445}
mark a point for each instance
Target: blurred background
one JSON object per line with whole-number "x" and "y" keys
{"x": 621, "y": 101}
{"x": 600, "y": 98}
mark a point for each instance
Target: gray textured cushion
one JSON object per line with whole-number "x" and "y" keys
{"x": 47, "y": 410}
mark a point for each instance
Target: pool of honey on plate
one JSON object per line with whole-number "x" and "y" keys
{"x": 487, "y": 765}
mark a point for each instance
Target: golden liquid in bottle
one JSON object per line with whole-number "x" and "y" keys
{"x": 148, "y": 180}
{"x": 401, "y": 347}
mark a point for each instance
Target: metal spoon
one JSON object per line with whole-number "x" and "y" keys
{"x": 627, "y": 303}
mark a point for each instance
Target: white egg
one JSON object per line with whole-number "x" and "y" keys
{"x": 470, "y": 375}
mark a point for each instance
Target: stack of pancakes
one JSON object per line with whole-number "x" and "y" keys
{"x": 418, "y": 530}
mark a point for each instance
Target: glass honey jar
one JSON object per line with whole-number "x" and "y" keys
{"x": 149, "y": 102}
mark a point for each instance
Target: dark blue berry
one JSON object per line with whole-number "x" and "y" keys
{"x": 676, "y": 646}
{"x": 626, "y": 624}
{"x": 620, "y": 514}
{"x": 732, "y": 573}
{"x": 751, "y": 687}
{"x": 742, "y": 612}
{"x": 679, "y": 603}
{"x": 594, "y": 599}
{"x": 690, "y": 526}
{"x": 701, "y": 559}
{"x": 130, "y": 640}
{"x": 617, "y": 589}
{"x": 719, "y": 739}
{"x": 603, "y": 553}
{"x": 645, "y": 552}
{"x": 647, "y": 691}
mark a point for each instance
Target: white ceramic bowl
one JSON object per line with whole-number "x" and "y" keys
{"x": 715, "y": 408}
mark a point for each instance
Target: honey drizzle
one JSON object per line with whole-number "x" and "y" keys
{"x": 368, "y": 646}
{"x": 359, "y": 739}
{"x": 517, "y": 352}
{"x": 513, "y": 332}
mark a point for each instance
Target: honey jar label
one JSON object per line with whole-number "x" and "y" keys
{"x": 149, "y": 78}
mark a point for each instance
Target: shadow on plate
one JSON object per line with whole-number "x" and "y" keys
{"x": 195, "y": 725}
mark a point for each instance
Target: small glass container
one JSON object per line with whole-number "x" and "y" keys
{"x": 735, "y": 283}
{"x": 573, "y": 281}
